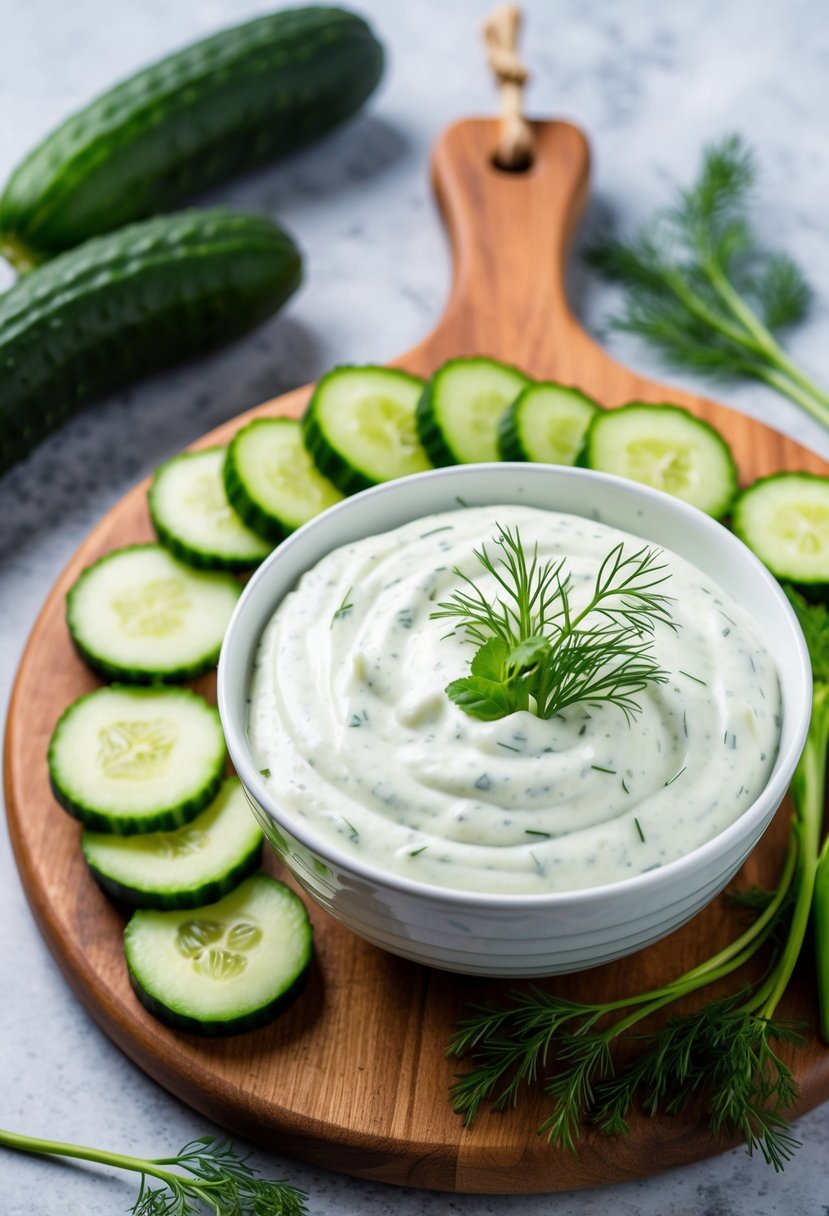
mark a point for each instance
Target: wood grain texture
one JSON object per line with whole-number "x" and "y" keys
{"x": 354, "y": 1076}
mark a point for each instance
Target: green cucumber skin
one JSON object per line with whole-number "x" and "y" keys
{"x": 195, "y": 897}
{"x": 198, "y": 558}
{"x": 220, "y": 1028}
{"x": 510, "y": 444}
{"x": 430, "y": 433}
{"x": 245, "y": 506}
{"x": 347, "y": 478}
{"x": 429, "y": 429}
{"x": 128, "y": 825}
{"x": 131, "y": 303}
{"x": 219, "y": 107}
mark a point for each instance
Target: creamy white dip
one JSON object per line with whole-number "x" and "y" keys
{"x": 350, "y": 719}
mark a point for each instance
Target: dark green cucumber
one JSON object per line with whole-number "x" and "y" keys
{"x": 216, "y": 108}
{"x": 460, "y": 408}
{"x": 130, "y": 760}
{"x": 226, "y": 967}
{"x": 130, "y": 303}
{"x": 360, "y": 426}
{"x": 195, "y": 864}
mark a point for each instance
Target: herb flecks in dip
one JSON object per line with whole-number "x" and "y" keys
{"x": 349, "y": 714}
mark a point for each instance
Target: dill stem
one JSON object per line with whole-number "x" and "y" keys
{"x": 698, "y": 308}
{"x": 814, "y": 402}
{"x": 808, "y": 789}
{"x": 804, "y": 391}
{"x": 58, "y": 1148}
{"x": 727, "y": 960}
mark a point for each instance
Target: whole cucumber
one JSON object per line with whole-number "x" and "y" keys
{"x": 128, "y": 303}
{"x": 218, "y": 107}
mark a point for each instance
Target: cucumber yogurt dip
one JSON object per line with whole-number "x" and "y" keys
{"x": 352, "y": 729}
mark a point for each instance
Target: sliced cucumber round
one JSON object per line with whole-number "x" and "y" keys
{"x": 271, "y": 481}
{"x": 195, "y": 864}
{"x": 141, "y": 616}
{"x": 194, "y": 519}
{"x": 360, "y": 426}
{"x": 223, "y": 968}
{"x": 785, "y": 520}
{"x": 666, "y": 447}
{"x": 547, "y": 423}
{"x": 460, "y": 408}
{"x": 137, "y": 759}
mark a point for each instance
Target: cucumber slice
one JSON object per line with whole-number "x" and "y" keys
{"x": 460, "y": 408}
{"x": 360, "y": 426}
{"x": 195, "y": 864}
{"x": 547, "y": 423}
{"x": 785, "y": 520}
{"x": 141, "y": 616}
{"x": 271, "y": 480}
{"x": 668, "y": 448}
{"x": 137, "y": 759}
{"x": 194, "y": 519}
{"x": 223, "y": 968}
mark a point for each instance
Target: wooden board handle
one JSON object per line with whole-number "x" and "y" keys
{"x": 510, "y": 235}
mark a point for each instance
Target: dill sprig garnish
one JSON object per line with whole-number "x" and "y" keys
{"x": 536, "y": 652}
{"x": 702, "y": 290}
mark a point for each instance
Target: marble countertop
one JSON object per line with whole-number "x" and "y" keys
{"x": 650, "y": 84}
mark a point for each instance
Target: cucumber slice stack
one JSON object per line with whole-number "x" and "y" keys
{"x": 137, "y": 759}
{"x": 195, "y": 864}
{"x": 547, "y": 423}
{"x": 271, "y": 480}
{"x": 140, "y": 616}
{"x": 360, "y": 427}
{"x": 194, "y": 519}
{"x": 460, "y": 408}
{"x": 226, "y": 968}
{"x": 666, "y": 447}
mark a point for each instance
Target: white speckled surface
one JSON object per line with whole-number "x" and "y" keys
{"x": 650, "y": 84}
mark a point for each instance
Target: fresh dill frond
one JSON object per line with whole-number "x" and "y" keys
{"x": 701, "y": 288}
{"x": 205, "y": 1176}
{"x": 536, "y": 652}
{"x": 529, "y": 592}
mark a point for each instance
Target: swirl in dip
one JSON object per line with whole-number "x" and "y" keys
{"x": 356, "y": 737}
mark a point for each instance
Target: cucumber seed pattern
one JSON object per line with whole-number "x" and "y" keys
{"x": 169, "y": 846}
{"x": 200, "y": 940}
{"x": 293, "y": 468}
{"x": 387, "y": 424}
{"x": 138, "y": 750}
{"x": 208, "y": 496}
{"x": 155, "y": 609}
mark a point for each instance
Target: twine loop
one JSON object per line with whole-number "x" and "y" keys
{"x": 515, "y": 138}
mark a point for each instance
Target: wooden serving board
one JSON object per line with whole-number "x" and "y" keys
{"x": 354, "y": 1076}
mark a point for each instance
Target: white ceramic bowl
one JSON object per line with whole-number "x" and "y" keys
{"x": 516, "y": 935}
